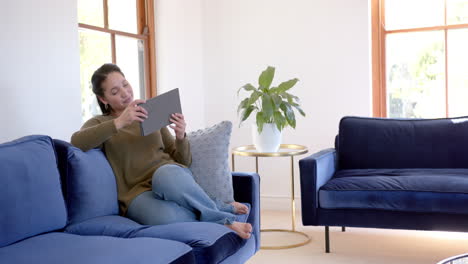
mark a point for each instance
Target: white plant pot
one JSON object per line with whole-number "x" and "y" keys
{"x": 268, "y": 140}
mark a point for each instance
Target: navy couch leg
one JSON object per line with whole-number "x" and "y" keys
{"x": 327, "y": 239}
{"x": 343, "y": 229}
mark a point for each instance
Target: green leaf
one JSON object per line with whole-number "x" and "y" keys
{"x": 273, "y": 90}
{"x": 290, "y": 97}
{"x": 276, "y": 100}
{"x": 298, "y": 109}
{"x": 254, "y": 97}
{"x": 280, "y": 121}
{"x": 260, "y": 120}
{"x": 266, "y": 77}
{"x": 246, "y": 113}
{"x": 289, "y": 114}
{"x": 284, "y": 86}
{"x": 267, "y": 106}
{"x": 247, "y": 87}
{"x": 287, "y": 97}
{"x": 243, "y": 105}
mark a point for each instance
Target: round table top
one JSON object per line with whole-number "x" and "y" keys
{"x": 460, "y": 259}
{"x": 285, "y": 150}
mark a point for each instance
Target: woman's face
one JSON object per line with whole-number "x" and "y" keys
{"x": 118, "y": 93}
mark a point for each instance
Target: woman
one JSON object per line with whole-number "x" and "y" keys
{"x": 154, "y": 184}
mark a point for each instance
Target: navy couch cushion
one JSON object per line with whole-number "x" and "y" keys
{"x": 31, "y": 199}
{"x": 366, "y": 143}
{"x": 211, "y": 242}
{"x": 411, "y": 190}
{"x": 111, "y": 225}
{"x": 59, "y": 248}
{"x": 91, "y": 189}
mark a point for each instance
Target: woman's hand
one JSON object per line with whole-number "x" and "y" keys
{"x": 179, "y": 125}
{"x": 132, "y": 113}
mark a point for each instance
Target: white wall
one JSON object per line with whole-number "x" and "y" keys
{"x": 39, "y": 69}
{"x": 323, "y": 43}
{"x": 179, "y": 55}
{"x": 209, "y": 48}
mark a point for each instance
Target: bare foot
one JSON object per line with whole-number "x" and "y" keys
{"x": 240, "y": 208}
{"x": 242, "y": 229}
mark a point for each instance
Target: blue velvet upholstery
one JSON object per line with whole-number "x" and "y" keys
{"x": 59, "y": 248}
{"x": 90, "y": 184}
{"x": 243, "y": 254}
{"x": 110, "y": 225}
{"x": 315, "y": 170}
{"x": 366, "y": 143}
{"x": 211, "y": 242}
{"x": 31, "y": 198}
{"x": 412, "y": 190}
{"x": 389, "y": 173}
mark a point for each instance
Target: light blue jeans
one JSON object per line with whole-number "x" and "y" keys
{"x": 176, "y": 197}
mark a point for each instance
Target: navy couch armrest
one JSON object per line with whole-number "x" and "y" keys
{"x": 315, "y": 170}
{"x": 247, "y": 190}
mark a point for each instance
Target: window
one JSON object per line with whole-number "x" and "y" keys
{"x": 420, "y": 58}
{"x": 121, "y": 32}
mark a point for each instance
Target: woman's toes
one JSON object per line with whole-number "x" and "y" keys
{"x": 242, "y": 229}
{"x": 248, "y": 228}
{"x": 240, "y": 208}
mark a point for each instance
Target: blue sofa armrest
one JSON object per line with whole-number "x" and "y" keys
{"x": 247, "y": 190}
{"x": 315, "y": 171}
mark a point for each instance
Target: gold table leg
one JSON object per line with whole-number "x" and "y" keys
{"x": 256, "y": 165}
{"x": 293, "y": 213}
{"x": 293, "y": 202}
{"x": 232, "y": 160}
{"x": 293, "y": 218}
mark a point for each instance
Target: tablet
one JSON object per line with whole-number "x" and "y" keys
{"x": 160, "y": 109}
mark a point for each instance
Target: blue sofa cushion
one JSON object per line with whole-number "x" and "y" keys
{"x": 366, "y": 143}
{"x": 411, "y": 190}
{"x": 31, "y": 199}
{"x": 59, "y": 248}
{"x": 91, "y": 189}
{"x": 110, "y": 225}
{"x": 243, "y": 254}
{"x": 211, "y": 242}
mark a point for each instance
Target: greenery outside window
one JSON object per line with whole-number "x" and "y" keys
{"x": 420, "y": 57}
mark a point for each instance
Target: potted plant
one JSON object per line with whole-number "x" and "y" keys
{"x": 274, "y": 107}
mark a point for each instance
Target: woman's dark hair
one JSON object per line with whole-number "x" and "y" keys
{"x": 99, "y": 76}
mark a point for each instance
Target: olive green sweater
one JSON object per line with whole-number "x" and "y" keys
{"x": 133, "y": 158}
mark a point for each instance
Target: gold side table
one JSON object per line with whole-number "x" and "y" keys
{"x": 286, "y": 150}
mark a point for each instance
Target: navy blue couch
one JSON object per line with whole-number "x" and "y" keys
{"x": 389, "y": 173}
{"x": 59, "y": 205}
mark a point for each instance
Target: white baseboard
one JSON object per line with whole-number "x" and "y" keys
{"x": 279, "y": 203}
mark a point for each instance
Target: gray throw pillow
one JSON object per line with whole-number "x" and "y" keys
{"x": 210, "y": 161}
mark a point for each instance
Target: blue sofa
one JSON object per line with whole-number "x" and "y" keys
{"x": 389, "y": 173}
{"x": 59, "y": 205}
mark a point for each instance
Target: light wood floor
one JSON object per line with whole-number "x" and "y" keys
{"x": 357, "y": 245}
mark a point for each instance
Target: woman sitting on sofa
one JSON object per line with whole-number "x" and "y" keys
{"x": 154, "y": 184}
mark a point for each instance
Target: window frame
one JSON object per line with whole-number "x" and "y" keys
{"x": 145, "y": 24}
{"x": 378, "y": 38}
